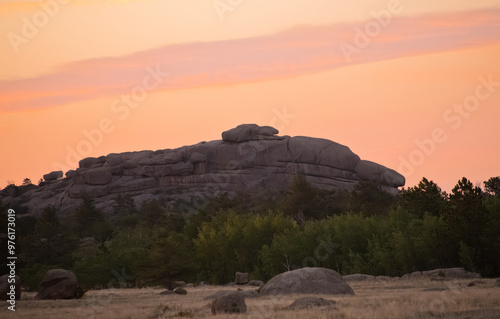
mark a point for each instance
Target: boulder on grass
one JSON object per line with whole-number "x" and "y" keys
{"x": 232, "y": 303}
{"x": 180, "y": 291}
{"x": 241, "y": 278}
{"x": 307, "y": 281}
{"x": 178, "y": 283}
{"x": 58, "y": 284}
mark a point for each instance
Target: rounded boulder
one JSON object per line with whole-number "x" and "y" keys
{"x": 307, "y": 281}
{"x": 231, "y": 303}
{"x": 58, "y": 284}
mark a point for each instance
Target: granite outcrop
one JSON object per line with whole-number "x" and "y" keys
{"x": 248, "y": 158}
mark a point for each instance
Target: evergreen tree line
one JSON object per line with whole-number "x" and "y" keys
{"x": 364, "y": 231}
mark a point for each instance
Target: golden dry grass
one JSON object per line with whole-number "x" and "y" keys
{"x": 412, "y": 299}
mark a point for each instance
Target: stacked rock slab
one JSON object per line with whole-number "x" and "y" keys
{"x": 249, "y": 158}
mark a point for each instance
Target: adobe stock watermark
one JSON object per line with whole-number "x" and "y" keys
{"x": 222, "y": 7}
{"x": 31, "y": 27}
{"x": 371, "y": 29}
{"x": 454, "y": 117}
{"x": 122, "y": 108}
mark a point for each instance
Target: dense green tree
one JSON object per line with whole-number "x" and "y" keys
{"x": 231, "y": 242}
{"x": 167, "y": 258}
{"x": 50, "y": 243}
{"x": 369, "y": 198}
{"x": 124, "y": 212}
{"x": 466, "y": 219}
{"x": 492, "y": 185}
{"x": 114, "y": 265}
{"x": 286, "y": 252}
{"x": 363, "y": 231}
{"x": 304, "y": 202}
{"x": 152, "y": 211}
{"x": 491, "y": 238}
{"x": 426, "y": 197}
{"x": 91, "y": 222}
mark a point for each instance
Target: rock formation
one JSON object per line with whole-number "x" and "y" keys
{"x": 249, "y": 158}
{"x": 58, "y": 284}
{"x": 241, "y": 278}
{"x": 232, "y": 303}
{"x": 307, "y": 281}
{"x": 180, "y": 291}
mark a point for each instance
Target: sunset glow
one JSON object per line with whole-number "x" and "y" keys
{"x": 414, "y": 86}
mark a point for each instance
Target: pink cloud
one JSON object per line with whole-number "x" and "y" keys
{"x": 295, "y": 52}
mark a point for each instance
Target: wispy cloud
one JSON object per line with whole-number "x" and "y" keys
{"x": 9, "y": 6}
{"x": 295, "y": 52}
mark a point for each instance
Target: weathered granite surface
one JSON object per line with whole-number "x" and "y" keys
{"x": 249, "y": 158}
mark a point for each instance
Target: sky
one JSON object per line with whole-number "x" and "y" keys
{"x": 412, "y": 85}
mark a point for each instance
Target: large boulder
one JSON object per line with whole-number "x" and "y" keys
{"x": 58, "y": 284}
{"x": 249, "y": 132}
{"x": 180, "y": 291}
{"x": 6, "y": 291}
{"x": 87, "y": 162}
{"x": 307, "y": 281}
{"x": 249, "y": 158}
{"x": 52, "y": 176}
{"x": 231, "y": 303}
{"x": 371, "y": 171}
{"x": 319, "y": 151}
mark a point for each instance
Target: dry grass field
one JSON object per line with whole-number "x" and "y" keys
{"x": 412, "y": 299}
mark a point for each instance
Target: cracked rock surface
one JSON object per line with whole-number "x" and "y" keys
{"x": 249, "y": 158}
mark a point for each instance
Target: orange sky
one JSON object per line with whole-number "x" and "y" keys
{"x": 382, "y": 77}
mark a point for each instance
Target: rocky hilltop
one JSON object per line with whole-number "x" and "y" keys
{"x": 249, "y": 158}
